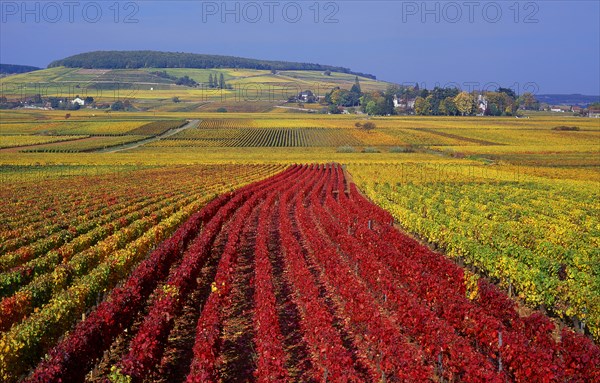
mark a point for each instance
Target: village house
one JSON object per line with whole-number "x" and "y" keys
{"x": 482, "y": 104}
{"x": 400, "y": 103}
{"x": 307, "y": 96}
{"x": 560, "y": 109}
{"x": 594, "y": 112}
{"x": 78, "y": 100}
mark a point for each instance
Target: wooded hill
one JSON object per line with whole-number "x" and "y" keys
{"x": 154, "y": 59}
{"x": 15, "y": 69}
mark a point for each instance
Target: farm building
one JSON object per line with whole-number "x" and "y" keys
{"x": 398, "y": 102}
{"x": 79, "y": 101}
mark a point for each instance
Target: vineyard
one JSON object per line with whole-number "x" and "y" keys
{"x": 157, "y": 127}
{"x": 538, "y": 238}
{"x": 59, "y": 128}
{"x": 82, "y": 145}
{"x": 65, "y": 243}
{"x": 78, "y": 136}
{"x": 495, "y": 139}
{"x": 256, "y": 137}
{"x": 187, "y": 216}
{"x": 278, "y": 133}
{"x": 297, "y": 277}
{"x": 203, "y": 255}
{"x": 11, "y": 141}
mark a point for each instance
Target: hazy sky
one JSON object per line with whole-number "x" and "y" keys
{"x": 542, "y": 46}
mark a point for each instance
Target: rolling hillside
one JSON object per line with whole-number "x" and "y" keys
{"x": 250, "y": 90}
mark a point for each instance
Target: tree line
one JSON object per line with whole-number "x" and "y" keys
{"x": 219, "y": 83}
{"x": 16, "y": 69}
{"x": 439, "y": 101}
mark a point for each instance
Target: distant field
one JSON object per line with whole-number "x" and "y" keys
{"x": 499, "y": 139}
{"x": 531, "y": 141}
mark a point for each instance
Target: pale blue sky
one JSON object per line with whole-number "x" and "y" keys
{"x": 545, "y": 46}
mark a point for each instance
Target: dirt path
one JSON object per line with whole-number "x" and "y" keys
{"x": 133, "y": 145}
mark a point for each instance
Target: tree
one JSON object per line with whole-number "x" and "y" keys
{"x": 495, "y": 104}
{"x": 465, "y": 103}
{"x": 342, "y": 97}
{"x": 117, "y": 105}
{"x": 222, "y": 81}
{"x": 37, "y": 99}
{"x": 372, "y": 108}
{"x": 528, "y": 101}
{"x": 327, "y": 72}
{"x": 335, "y": 96}
{"x": 422, "y": 106}
{"x": 175, "y": 99}
{"x": 368, "y": 126}
{"x": 389, "y": 94}
{"x": 509, "y": 92}
{"x": 356, "y": 87}
{"x": 333, "y": 109}
{"x": 436, "y": 96}
{"x": 211, "y": 83}
{"x": 447, "y": 107}
{"x": 434, "y": 105}
{"x": 373, "y": 103}
{"x": 499, "y": 103}
{"x": 186, "y": 81}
